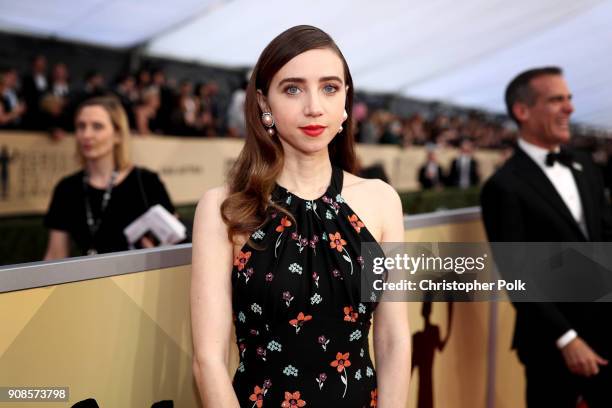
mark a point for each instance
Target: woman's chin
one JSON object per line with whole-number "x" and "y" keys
{"x": 310, "y": 145}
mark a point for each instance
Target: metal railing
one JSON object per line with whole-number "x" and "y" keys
{"x": 47, "y": 273}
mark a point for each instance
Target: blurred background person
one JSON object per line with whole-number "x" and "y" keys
{"x": 463, "y": 171}
{"x": 34, "y": 85}
{"x": 430, "y": 173}
{"x": 186, "y": 111}
{"x": 236, "y": 125}
{"x": 146, "y": 113}
{"x": 166, "y": 99}
{"x": 207, "y": 120}
{"x": 125, "y": 89}
{"x": 12, "y": 109}
{"x": 54, "y": 104}
{"x": 93, "y": 206}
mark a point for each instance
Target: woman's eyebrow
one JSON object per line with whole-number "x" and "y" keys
{"x": 302, "y": 80}
{"x": 298, "y": 80}
{"x": 330, "y": 78}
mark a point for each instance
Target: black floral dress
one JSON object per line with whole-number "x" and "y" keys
{"x": 301, "y": 327}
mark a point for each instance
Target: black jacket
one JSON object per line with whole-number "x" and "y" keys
{"x": 454, "y": 174}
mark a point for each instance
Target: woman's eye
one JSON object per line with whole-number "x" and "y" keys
{"x": 330, "y": 89}
{"x": 292, "y": 90}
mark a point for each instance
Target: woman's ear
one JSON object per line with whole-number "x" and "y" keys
{"x": 262, "y": 102}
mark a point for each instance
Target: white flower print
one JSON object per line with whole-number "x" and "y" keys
{"x": 241, "y": 367}
{"x": 259, "y": 234}
{"x": 290, "y": 371}
{"x": 315, "y": 299}
{"x": 369, "y": 372}
{"x": 340, "y": 199}
{"x": 328, "y": 215}
{"x": 256, "y": 308}
{"x": 356, "y": 335}
{"x": 358, "y": 375}
{"x": 295, "y": 268}
{"x": 361, "y": 352}
{"x": 274, "y": 346}
{"x": 362, "y": 308}
{"x": 241, "y": 317}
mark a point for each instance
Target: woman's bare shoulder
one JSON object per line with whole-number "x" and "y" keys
{"x": 368, "y": 188}
{"x": 209, "y": 211}
{"x": 218, "y": 193}
{"x": 209, "y": 205}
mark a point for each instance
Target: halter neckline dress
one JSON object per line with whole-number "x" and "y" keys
{"x": 301, "y": 327}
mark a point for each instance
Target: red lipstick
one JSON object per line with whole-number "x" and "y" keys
{"x": 313, "y": 130}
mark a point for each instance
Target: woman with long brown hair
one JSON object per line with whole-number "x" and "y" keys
{"x": 277, "y": 250}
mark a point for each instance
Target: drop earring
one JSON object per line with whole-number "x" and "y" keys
{"x": 344, "y": 117}
{"x": 268, "y": 121}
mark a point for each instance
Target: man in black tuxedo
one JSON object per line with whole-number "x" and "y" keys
{"x": 463, "y": 172}
{"x": 544, "y": 193}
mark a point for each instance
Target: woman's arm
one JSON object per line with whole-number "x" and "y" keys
{"x": 392, "y": 336}
{"x": 211, "y": 306}
{"x": 58, "y": 246}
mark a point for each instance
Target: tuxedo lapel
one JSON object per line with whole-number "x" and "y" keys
{"x": 533, "y": 175}
{"x": 586, "y": 198}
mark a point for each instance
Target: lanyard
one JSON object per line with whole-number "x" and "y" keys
{"x": 94, "y": 225}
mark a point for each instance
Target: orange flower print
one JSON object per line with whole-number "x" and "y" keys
{"x": 336, "y": 241}
{"x": 284, "y": 223}
{"x": 356, "y": 223}
{"x": 293, "y": 400}
{"x": 349, "y": 315}
{"x": 241, "y": 259}
{"x": 257, "y": 397}
{"x": 258, "y": 394}
{"x": 299, "y": 321}
{"x": 374, "y": 397}
{"x": 341, "y": 361}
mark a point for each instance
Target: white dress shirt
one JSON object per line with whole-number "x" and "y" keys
{"x": 563, "y": 181}
{"x": 464, "y": 170}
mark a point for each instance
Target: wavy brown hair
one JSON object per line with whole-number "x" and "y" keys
{"x": 253, "y": 176}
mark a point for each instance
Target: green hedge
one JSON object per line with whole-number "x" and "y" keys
{"x": 416, "y": 202}
{"x": 24, "y": 239}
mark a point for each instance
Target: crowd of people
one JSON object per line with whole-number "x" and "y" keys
{"x": 46, "y": 99}
{"x": 462, "y": 173}
{"x": 46, "y": 96}
{"x": 383, "y": 127}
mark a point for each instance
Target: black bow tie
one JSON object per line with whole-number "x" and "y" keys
{"x": 563, "y": 157}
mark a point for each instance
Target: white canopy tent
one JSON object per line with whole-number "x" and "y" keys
{"x": 458, "y": 52}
